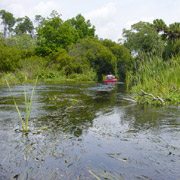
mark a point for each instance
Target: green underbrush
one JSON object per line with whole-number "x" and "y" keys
{"x": 156, "y": 81}
{"x": 48, "y": 75}
{"x": 34, "y": 66}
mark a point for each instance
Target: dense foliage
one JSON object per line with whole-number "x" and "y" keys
{"x": 156, "y": 38}
{"x": 52, "y": 48}
{"x": 155, "y": 47}
{"x": 57, "y": 49}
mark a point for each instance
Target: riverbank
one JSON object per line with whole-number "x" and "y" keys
{"x": 155, "y": 81}
{"x": 51, "y": 76}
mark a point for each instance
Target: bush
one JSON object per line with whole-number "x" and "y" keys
{"x": 10, "y": 58}
{"x": 32, "y": 66}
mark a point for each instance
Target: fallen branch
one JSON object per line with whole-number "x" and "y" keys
{"x": 154, "y": 98}
{"x": 130, "y": 99}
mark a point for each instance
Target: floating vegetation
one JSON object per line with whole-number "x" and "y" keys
{"x": 94, "y": 175}
{"x": 87, "y": 134}
{"x": 105, "y": 175}
{"x": 117, "y": 156}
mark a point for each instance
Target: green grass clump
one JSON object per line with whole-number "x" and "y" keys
{"x": 158, "y": 77}
{"x": 28, "y": 104}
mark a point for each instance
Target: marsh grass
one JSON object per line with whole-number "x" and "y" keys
{"x": 28, "y": 104}
{"x": 158, "y": 77}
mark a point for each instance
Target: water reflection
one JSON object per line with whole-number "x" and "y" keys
{"x": 90, "y": 129}
{"x": 73, "y": 108}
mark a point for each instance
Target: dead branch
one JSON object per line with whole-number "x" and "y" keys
{"x": 130, "y": 99}
{"x": 151, "y": 95}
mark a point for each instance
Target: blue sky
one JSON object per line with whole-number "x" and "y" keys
{"x": 108, "y": 16}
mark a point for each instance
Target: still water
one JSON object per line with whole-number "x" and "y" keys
{"x": 90, "y": 132}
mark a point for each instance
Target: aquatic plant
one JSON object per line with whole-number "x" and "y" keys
{"x": 157, "y": 78}
{"x": 105, "y": 175}
{"x": 94, "y": 175}
{"x": 28, "y": 104}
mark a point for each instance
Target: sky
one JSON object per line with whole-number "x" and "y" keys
{"x": 109, "y": 17}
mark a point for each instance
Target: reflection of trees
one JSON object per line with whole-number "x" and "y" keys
{"x": 72, "y": 109}
{"x": 142, "y": 117}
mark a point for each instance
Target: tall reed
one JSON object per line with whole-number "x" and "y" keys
{"x": 28, "y": 104}
{"x": 156, "y": 76}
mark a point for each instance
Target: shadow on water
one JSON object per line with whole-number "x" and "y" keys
{"x": 91, "y": 131}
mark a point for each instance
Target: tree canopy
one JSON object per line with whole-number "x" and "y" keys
{"x": 83, "y": 27}
{"x": 24, "y": 25}
{"x": 123, "y": 57}
{"x": 142, "y": 37}
{"x": 156, "y": 38}
{"x": 54, "y": 33}
{"x": 69, "y": 46}
{"x": 8, "y": 21}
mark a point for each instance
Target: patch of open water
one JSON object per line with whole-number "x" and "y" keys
{"x": 92, "y": 132}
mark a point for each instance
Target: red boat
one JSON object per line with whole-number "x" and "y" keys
{"x": 110, "y": 80}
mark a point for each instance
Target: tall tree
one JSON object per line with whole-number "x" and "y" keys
{"x": 54, "y": 34}
{"x": 160, "y": 25}
{"x": 142, "y": 37}
{"x": 24, "y": 25}
{"x": 8, "y": 21}
{"x": 161, "y": 28}
{"x": 39, "y": 19}
{"x": 83, "y": 27}
{"x": 174, "y": 32}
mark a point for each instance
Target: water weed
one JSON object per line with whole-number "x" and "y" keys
{"x": 28, "y": 104}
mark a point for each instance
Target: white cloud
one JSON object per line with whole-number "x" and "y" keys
{"x": 102, "y": 13}
{"x": 6, "y": 3}
{"x": 21, "y": 8}
{"x": 108, "y": 16}
{"x": 17, "y": 10}
{"x": 45, "y": 8}
{"x": 144, "y": 19}
{"x": 103, "y": 19}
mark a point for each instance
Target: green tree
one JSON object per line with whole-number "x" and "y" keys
{"x": 171, "y": 35}
{"x": 54, "y": 34}
{"x": 142, "y": 37}
{"x": 174, "y": 32}
{"x": 91, "y": 51}
{"x": 160, "y": 25}
{"x": 124, "y": 59}
{"x": 39, "y": 19}
{"x": 8, "y": 21}
{"x": 83, "y": 27}
{"x": 24, "y": 25}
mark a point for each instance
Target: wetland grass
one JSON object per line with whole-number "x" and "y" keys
{"x": 28, "y": 104}
{"x": 158, "y": 77}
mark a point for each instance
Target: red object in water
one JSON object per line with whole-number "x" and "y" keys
{"x": 110, "y": 80}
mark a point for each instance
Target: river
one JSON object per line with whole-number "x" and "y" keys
{"x": 87, "y": 131}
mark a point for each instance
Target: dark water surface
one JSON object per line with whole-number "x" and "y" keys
{"x": 92, "y": 133}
